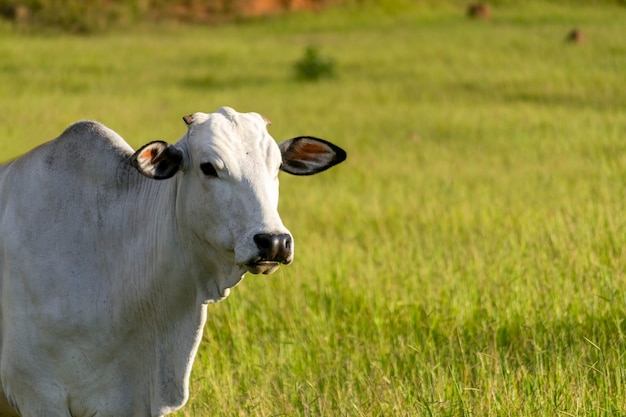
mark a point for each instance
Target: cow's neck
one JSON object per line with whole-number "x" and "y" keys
{"x": 175, "y": 288}
{"x": 176, "y": 257}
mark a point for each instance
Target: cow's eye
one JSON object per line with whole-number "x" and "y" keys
{"x": 208, "y": 169}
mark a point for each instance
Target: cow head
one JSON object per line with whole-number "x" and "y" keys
{"x": 228, "y": 167}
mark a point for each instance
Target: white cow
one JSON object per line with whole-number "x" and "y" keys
{"x": 107, "y": 273}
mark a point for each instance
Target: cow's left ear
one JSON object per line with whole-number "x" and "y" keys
{"x": 306, "y": 155}
{"x": 158, "y": 160}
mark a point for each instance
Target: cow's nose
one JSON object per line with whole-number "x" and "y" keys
{"x": 274, "y": 247}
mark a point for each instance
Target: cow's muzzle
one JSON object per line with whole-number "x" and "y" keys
{"x": 274, "y": 249}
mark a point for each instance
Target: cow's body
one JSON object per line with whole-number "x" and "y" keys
{"x": 106, "y": 273}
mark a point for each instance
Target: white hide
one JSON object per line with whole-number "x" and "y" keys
{"x": 106, "y": 274}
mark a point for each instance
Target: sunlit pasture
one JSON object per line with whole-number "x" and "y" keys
{"x": 467, "y": 259}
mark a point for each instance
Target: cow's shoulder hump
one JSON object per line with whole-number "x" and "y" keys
{"x": 92, "y": 136}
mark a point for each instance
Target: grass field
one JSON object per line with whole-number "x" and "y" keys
{"x": 468, "y": 258}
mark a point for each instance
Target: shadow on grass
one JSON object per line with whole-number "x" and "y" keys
{"x": 211, "y": 82}
{"x": 543, "y": 95}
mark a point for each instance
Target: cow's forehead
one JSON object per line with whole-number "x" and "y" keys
{"x": 231, "y": 137}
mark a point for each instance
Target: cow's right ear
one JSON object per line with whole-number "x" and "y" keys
{"x": 306, "y": 155}
{"x": 158, "y": 160}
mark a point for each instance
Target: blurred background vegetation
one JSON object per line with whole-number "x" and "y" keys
{"x": 78, "y": 16}
{"x": 94, "y": 16}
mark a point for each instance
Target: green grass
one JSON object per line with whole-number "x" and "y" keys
{"x": 468, "y": 258}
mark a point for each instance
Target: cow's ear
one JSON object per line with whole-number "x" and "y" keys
{"x": 158, "y": 160}
{"x": 306, "y": 155}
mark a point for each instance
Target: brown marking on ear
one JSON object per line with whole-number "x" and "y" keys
{"x": 188, "y": 119}
{"x": 266, "y": 120}
{"x": 308, "y": 150}
{"x": 149, "y": 154}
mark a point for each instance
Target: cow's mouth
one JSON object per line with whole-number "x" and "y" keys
{"x": 262, "y": 267}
